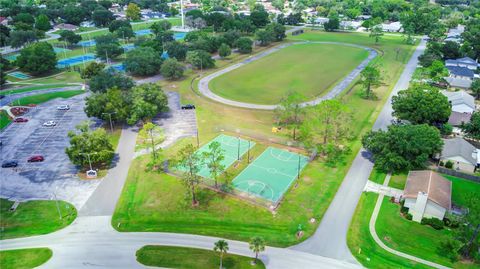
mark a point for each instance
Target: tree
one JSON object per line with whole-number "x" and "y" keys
{"x": 94, "y": 143}
{"x": 259, "y": 17}
{"x": 475, "y": 87}
{"x": 277, "y": 30}
{"x": 147, "y": 130}
{"x": 376, "y": 33}
{"x": 70, "y": 37}
{"x": 472, "y": 128}
{"x": 200, "y": 59}
{"x": 172, "y": 69}
{"x": 117, "y": 24}
{"x": 213, "y": 159}
{"x": 143, "y": 62}
{"x": 4, "y": 35}
{"x": 264, "y": 36}
{"x": 42, "y": 23}
{"x": 332, "y": 24}
{"x": 19, "y": 38}
{"x": 133, "y": 12}
{"x": 437, "y": 70}
{"x": 102, "y": 17}
{"x": 73, "y": 14}
{"x": 403, "y": 147}
{"x": 370, "y": 76}
{"x": 124, "y": 32}
{"x": 114, "y": 101}
{"x": 161, "y": 26}
{"x": 107, "y": 46}
{"x": 244, "y": 45}
{"x": 191, "y": 163}
{"x": 421, "y": 104}
{"x": 25, "y": 18}
{"x": 257, "y": 245}
{"x": 224, "y": 50}
{"x": 147, "y": 100}
{"x": 107, "y": 79}
{"x": 470, "y": 231}
{"x": 176, "y": 50}
{"x": 290, "y": 112}
{"x": 221, "y": 246}
{"x": 38, "y": 58}
{"x": 231, "y": 37}
{"x": 451, "y": 50}
{"x": 91, "y": 70}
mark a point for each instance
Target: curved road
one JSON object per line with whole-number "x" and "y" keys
{"x": 339, "y": 87}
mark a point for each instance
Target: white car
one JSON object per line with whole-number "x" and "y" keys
{"x": 63, "y": 107}
{"x": 49, "y": 123}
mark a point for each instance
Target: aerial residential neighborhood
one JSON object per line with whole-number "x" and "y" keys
{"x": 240, "y": 134}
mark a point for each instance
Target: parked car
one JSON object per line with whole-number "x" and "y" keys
{"x": 49, "y": 123}
{"x": 35, "y": 158}
{"x": 63, "y": 107}
{"x": 189, "y": 106}
{"x": 8, "y": 164}
{"x": 20, "y": 120}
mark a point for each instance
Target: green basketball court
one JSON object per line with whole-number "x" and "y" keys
{"x": 233, "y": 147}
{"x": 271, "y": 174}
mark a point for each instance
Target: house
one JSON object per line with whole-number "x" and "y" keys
{"x": 459, "y": 77}
{"x": 321, "y": 20}
{"x": 466, "y": 62}
{"x": 66, "y": 26}
{"x": 87, "y": 24}
{"x": 391, "y": 27}
{"x": 459, "y": 118}
{"x": 455, "y": 34}
{"x": 463, "y": 154}
{"x": 350, "y": 25}
{"x": 461, "y": 101}
{"x": 427, "y": 195}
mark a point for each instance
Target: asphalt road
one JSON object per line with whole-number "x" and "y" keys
{"x": 330, "y": 239}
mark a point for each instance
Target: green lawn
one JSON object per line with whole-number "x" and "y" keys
{"x": 156, "y": 202}
{"x": 45, "y": 97}
{"x": 311, "y": 69}
{"x": 34, "y": 88}
{"x": 4, "y": 119}
{"x": 24, "y": 258}
{"x": 34, "y": 218}
{"x": 191, "y": 258}
{"x": 61, "y": 77}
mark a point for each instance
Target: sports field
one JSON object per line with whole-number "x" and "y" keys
{"x": 311, "y": 69}
{"x": 271, "y": 174}
{"x": 233, "y": 148}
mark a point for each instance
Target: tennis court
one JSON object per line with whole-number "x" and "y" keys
{"x": 19, "y": 75}
{"x": 75, "y": 60}
{"x": 271, "y": 174}
{"x": 59, "y": 50}
{"x": 179, "y": 35}
{"x": 11, "y": 57}
{"x": 118, "y": 67}
{"x": 233, "y": 147}
{"x": 128, "y": 47}
{"x": 143, "y": 32}
{"x": 87, "y": 43}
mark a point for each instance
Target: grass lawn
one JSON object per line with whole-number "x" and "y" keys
{"x": 44, "y": 97}
{"x": 24, "y": 258}
{"x": 311, "y": 69}
{"x": 186, "y": 258}
{"x": 4, "y": 119}
{"x": 57, "y": 78}
{"x": 34, "y": 218}
{"x": 34, "y": 88}
{"x": 156, "y": 202}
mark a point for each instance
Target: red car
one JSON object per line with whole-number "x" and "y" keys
{"x": 35, "y": 158}
{"x": 20, "y": 120}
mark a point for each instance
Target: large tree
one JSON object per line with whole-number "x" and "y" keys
{"x": 107, "y": 79}
{"x": 70, "y": 37}
{"x": 147, "y": 101}
{"x": 102, "y": 17}
{"x": 172, "y": 69}
{"x": 42, "y": 23}
{"x": 244, "y": 45}
{"x": 265, "y": 37}
{"x": 133, "y": 12}
{"x": 117, "y": 24}
{"x": 114, "y": 102}
{"x": 472, "y": 128}
{"x": 143, "y": 62}
{"x": 38, "y": 58}
{"x": 176, "y": 50}
{"x": 19, "y": 38}
{"x": 403, "y": 147}
{"x": 370, "y": 77}
{"x": 290, "y": 113}
{"x": 257, "y": 245}
{"x": 190, "y": 162}
{"x": 200, "y": 59}
{"x": 92, "y": 69}
{"x": 475, "y": 87}
{"x": 107, "y": 46}
{"x": 88, "y": 144}
{"x": 421, "y": 104}
{"x": 277, "y": 30}
{"x": 73, "y": 14}
{"x": 221, "y": 246}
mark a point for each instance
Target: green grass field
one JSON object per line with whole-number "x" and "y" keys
{"x": 24, "y": 258}
{"x": 34, "y": 218}
{"x": 191, "y": 258}
{"x": 310, "y": 69}
{"x": 401, "y": 234}
{"x": 34, "y": 88}
{"x": 157, "y": 202}
{"x": 4, "y": 119}
{"x": 45, "y": 97}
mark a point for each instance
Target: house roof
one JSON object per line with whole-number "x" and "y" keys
{"x": 458, "y": 82}
{"x": 459, "y": 147}
{"x": 460, "y": 98}
{"x": 438, "y": 189}
{"x": 457, "y": 118}
{"x": 460, "y": 71}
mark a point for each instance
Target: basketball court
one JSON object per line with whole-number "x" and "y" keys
{"x": 271, "y": 174}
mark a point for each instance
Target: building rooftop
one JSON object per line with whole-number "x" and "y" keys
{"x": 438, "y": 189}
{"x": 459, "y": 147}
{"x": 460, "y": 71}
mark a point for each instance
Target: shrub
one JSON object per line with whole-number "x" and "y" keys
{"x": 244, "y": 45}
{"x": 452, "y": 223}
{"x": 449, "y": 164}
{"x": 441, "y": 163}
{"x": 409, "y": 216}
{"x": 433, "y": 222}
{"x": 172, "y": 69}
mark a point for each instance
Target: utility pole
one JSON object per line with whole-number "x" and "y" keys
{"x": 248, "y": 153}
{"x": 198, "y": 140}
{"x": 238, "y": 151}
{"x": 56, "y": 202}
{"x": 110, "y": 117}
{"x": 298, "y": 169}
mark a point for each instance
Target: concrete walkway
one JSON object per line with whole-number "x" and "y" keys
{"x": 382, "y": 189}
{"x": 373, "y": 219}
{"x": 339, "y": 87}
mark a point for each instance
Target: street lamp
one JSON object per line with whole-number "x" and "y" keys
{"x": 110, "y": 117}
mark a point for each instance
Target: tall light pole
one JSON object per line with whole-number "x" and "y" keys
{"x": 56, "y": 202}
{"x": 110, "y": 117}
{"x": 88, "y": 156}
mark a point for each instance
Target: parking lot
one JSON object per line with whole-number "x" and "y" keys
{"x": 54, "y": 176}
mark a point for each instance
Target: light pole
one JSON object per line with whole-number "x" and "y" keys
{"x": 110, "y": 117}
{"x": 238, "y": 150}
{"x": 56, "y": 202}
{"x": 298, "y": 169}
{"x": 88, "y": 156}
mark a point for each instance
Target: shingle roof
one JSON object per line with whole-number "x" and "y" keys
{"x": 459, "y": 98}
{"x": 439, "y": 189}
{"x": 459, "y": 147}
{"x": 458, "y": 82}
{"x": 460, "y": 71}
{"x": 457, "y": 118}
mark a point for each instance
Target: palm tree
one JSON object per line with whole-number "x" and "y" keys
{"x": 221, "y": 246}
{"x": 257, "y": 244}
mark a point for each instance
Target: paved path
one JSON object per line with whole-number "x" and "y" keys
{"x": 330, "y": 239}
{"x": 382, "y": 189}
{"x": 371, "y": 226}
{"x": 339, "y": 87}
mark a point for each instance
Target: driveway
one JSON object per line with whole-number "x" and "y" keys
{"x": 56, "y": 174}
{"x": 330, "y": 239}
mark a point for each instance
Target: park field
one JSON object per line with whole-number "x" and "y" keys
{"x": 24, "y": 258}
{"x": 156, "y": 202}
{"x": 310, "y": 69}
